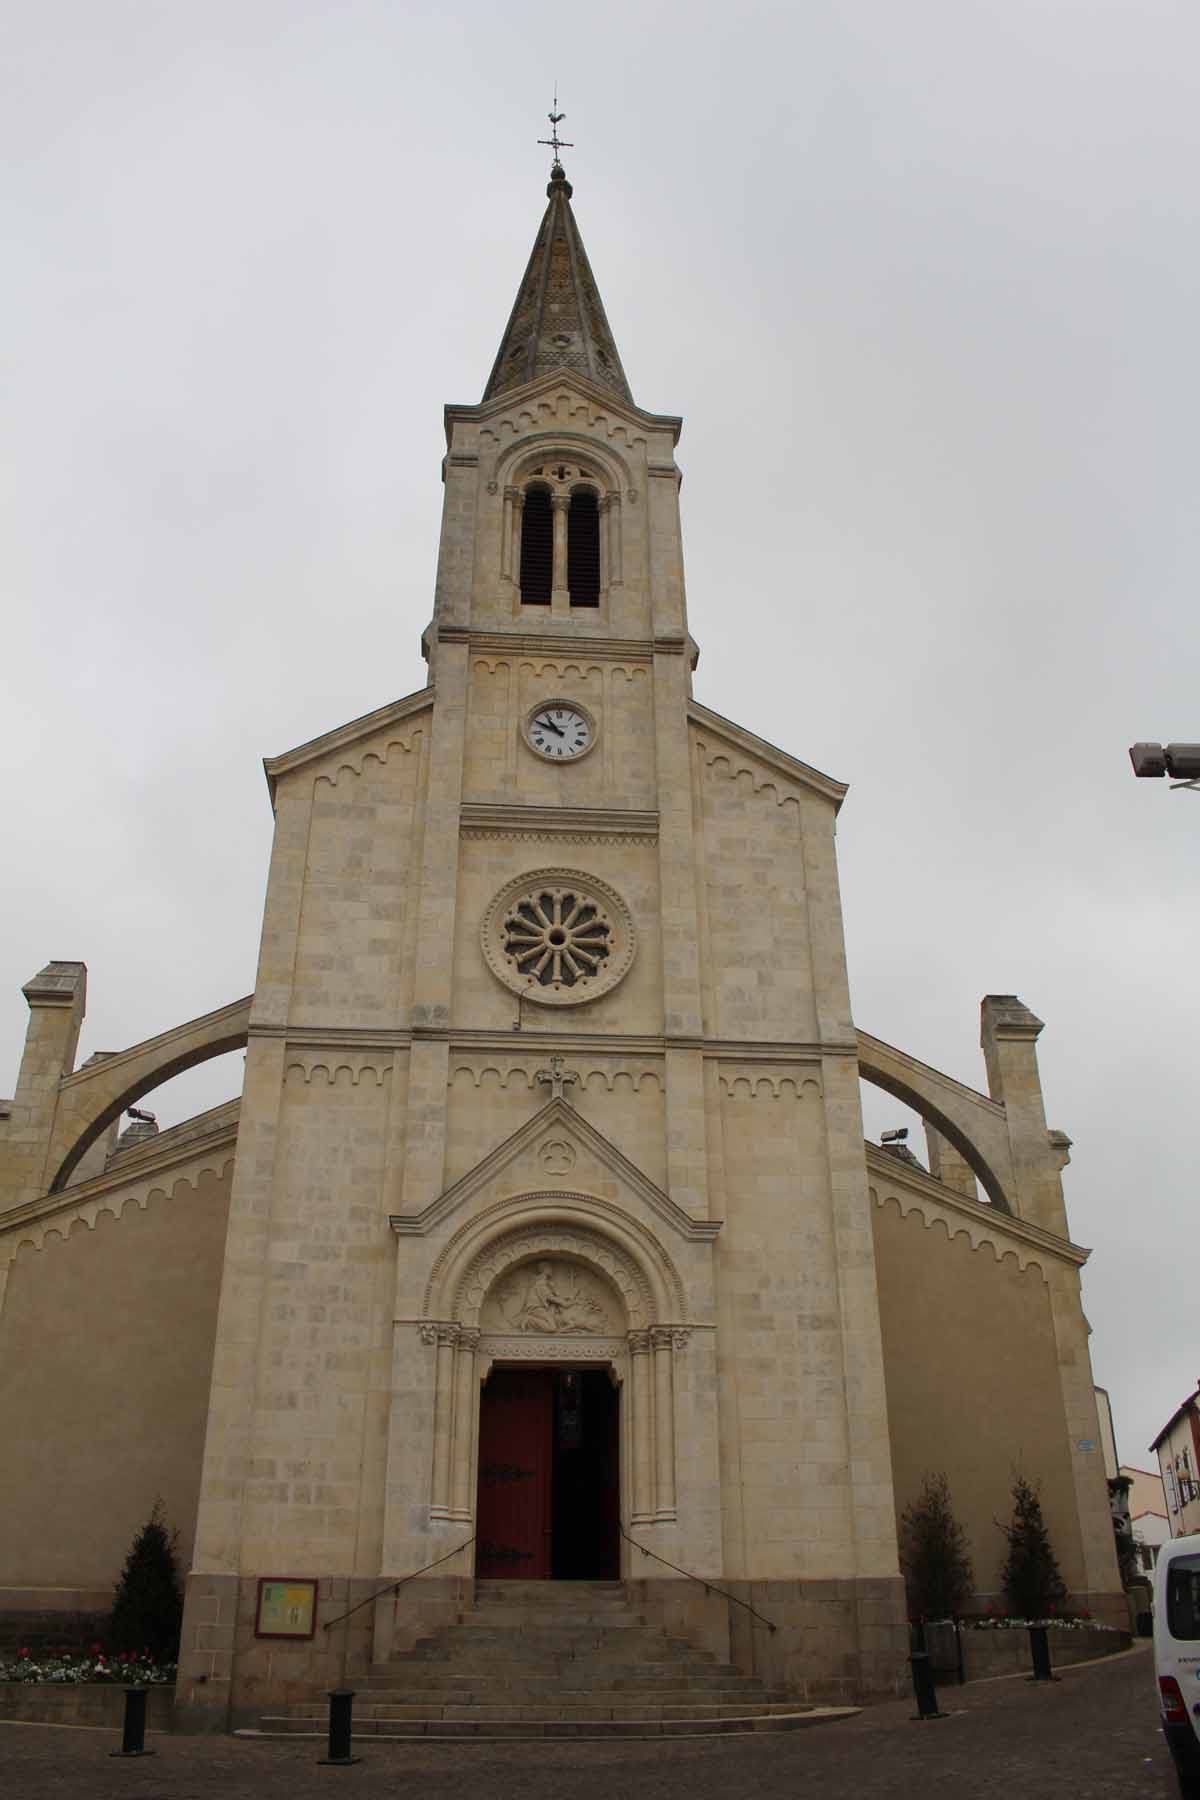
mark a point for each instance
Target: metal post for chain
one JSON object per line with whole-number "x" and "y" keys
{"x": 923, "y": 1688}
{"x": 133, "y": 1733}
{"x": 1040, "y": 1649}
{"x": 341, "y": 1708}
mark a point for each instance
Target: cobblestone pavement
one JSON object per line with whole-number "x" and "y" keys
{"x": 1093, "y": 1733}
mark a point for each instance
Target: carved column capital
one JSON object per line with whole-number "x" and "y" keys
{"x": 661, "y": 1337}
{"x": 513, "y": 493}
{"x": 468, "y": 1337}
{"x": 447, "y": 1334}
{"x": 639, "y": 1343}
{"x": 680, "y": 1338}
{"x": 427, "y": 1332}
{"x": 560, "y": 503}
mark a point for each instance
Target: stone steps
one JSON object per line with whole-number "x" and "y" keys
{"x": 526, "y": 1686}
{"x": 625, "y": 1706}
{"x": 553, "y": 1659}
{"x": 380, "y": 1730}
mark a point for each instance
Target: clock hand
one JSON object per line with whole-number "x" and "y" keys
{"x": 551, "y": 726}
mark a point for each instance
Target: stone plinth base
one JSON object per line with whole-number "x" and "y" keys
{"x": 838, "y": 1641}
{"x": 80, "y": 1703}
{"x": 228, "y": 1677}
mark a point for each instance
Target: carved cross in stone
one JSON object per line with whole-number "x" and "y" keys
{"x": 557, "y": 1077}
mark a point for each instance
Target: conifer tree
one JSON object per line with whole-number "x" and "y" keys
{"x": 1033, "y": 1585}
{"x": 934, "y": 1554}
{"x": 147, "y": 1609}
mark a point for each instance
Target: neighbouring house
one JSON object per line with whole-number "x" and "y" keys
{"x": 1147, "y": 1514}
{"x": 1177, "y": 1447}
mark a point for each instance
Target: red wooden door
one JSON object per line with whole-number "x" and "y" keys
{"x": 516, "y": 1453}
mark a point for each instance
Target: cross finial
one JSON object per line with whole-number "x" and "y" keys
{"x": 557, "y": 1078}
{"x": 554, "y": 142}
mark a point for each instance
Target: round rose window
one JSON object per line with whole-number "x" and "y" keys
{"x": 559, "y": 937}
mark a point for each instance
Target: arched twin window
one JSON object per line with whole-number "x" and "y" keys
{"x": 580, "y": 552}
{"x": 583, "y": 549}
{"x": 537, "y": 547}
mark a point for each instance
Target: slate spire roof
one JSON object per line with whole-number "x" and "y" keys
{"x": 558, "y": 320}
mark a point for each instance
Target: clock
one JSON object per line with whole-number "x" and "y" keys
{"x": 560, "y": 731}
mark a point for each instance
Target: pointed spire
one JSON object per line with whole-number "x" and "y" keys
{"x": 558, "y": 320}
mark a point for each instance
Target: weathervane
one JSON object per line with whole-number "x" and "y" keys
{"x": 554, "y": 142}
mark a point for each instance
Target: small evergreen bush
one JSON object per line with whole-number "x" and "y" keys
{"x": 934, "y": 1554}
{"x": 147, "y": 1612}
{"x": 1033, "y": 1585}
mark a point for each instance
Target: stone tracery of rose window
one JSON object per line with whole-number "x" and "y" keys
{"x": 557, "y": 937}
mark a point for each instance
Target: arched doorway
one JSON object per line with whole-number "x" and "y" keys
{"x": 549, "y": 1484}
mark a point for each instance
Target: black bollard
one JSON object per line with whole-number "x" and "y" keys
{"x": 923, "y": 1688}
{"x": 133, "y": 1735}
{"x": 341, "y": 1707}
{"x": 1040, "y": 1649}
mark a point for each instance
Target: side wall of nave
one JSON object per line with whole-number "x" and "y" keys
{"x": 975, "y": 1390}
{"x": 106, "y": 1344}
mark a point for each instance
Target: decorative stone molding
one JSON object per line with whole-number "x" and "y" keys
{"x": 566, "y": 824}
{"x": 496, "y": 1347}
{"x": 990, "y": 1232}
{"x": 558, "y": 937}
{"x": 720, "y": 764}
{"x": 520, "y": 1076}
{"x": 332, "y": 1070}
{"x": 380, "y": 755}
{"x": 556, "y": 1156}
{"x": 57, "y": 1215}
{"x": 770, "y": 1087}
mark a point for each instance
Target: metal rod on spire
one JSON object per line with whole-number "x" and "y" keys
{"x": 554, "y": 142}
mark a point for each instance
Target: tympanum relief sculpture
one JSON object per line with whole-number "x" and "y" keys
{"x": 556, "y": 1299}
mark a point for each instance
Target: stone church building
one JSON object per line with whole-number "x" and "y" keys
{"x": 543, "y": 1244}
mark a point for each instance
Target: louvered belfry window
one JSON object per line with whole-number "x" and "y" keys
{"x": 537, "y": 548}
{"x": 583, "y": 550}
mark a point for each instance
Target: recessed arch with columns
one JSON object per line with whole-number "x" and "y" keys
{"x": 519, "y": 468}
{"x": 636, "y": 1269}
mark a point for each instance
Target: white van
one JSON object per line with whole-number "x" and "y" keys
{"x": 1177, "y": 1655}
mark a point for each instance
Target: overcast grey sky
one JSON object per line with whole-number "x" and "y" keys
{"x": 922, "y": 279}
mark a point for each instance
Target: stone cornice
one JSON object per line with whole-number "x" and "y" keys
{"x": 394, "y": 713}
{"x": 582, "y": 823}
{"x": 892, "y": 1179}
{"x": 616, "y": 1044}
{"x": 548, "y": 643}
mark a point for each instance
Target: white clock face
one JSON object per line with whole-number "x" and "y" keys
{"x": 559, "y": 731}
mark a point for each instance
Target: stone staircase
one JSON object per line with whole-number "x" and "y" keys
{"x": 554, "y": 1659}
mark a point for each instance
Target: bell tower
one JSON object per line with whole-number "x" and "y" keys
{"x": 550, "y": 1071}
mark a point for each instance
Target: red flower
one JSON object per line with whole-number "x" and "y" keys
{"x": 96, "y": 1648}
{"x": 24, "y": 1652}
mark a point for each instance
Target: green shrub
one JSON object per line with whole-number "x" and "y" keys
{"x": 1033, "y": 1585}
{"x": 938, "y": 1576}
{"x": 147, "y": 1612}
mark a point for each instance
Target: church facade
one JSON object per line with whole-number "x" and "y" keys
{"x": 543, "y": 1242}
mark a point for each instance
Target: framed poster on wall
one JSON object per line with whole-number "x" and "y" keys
{"x": 287, "y": 1607}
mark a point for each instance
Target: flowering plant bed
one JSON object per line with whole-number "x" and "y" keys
{"x": 124, "y": 1668}
{"x": 1009, "y": 1622}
